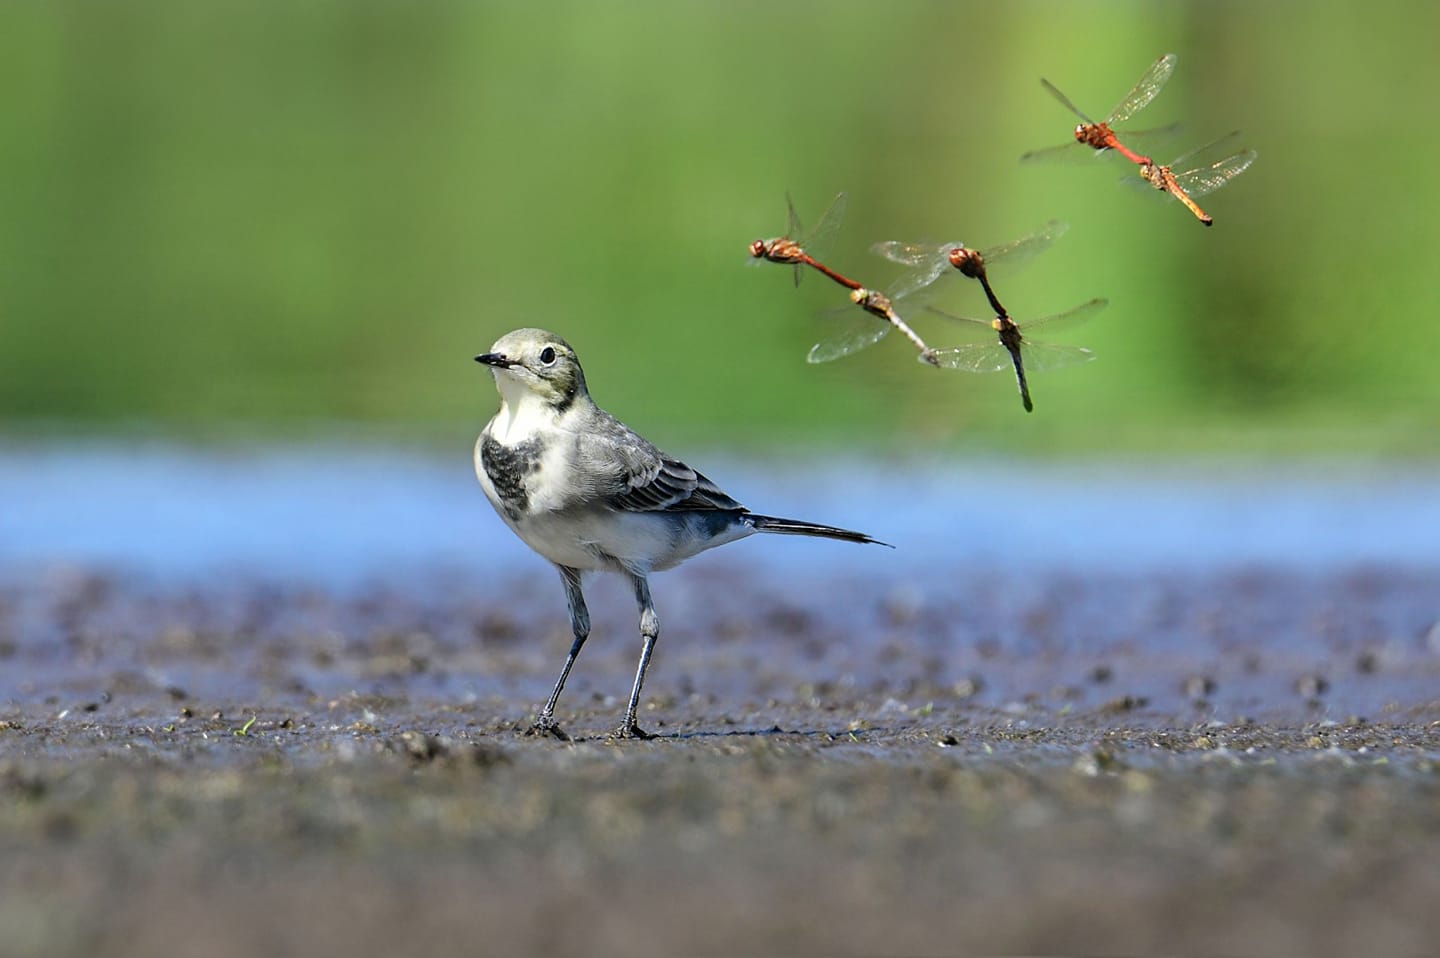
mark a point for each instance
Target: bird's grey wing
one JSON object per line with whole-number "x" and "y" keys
{"x": 633, "y": 475}
{"x": 668, "y": 485}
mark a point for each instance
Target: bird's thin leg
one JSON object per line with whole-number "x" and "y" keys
{"x": 580, "y": 623}
{"x": 649, "y": 632}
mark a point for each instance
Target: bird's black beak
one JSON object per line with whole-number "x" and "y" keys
{"x": 497, "y": 360}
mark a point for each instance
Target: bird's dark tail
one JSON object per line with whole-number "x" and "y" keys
{"x": 794, "y": 527}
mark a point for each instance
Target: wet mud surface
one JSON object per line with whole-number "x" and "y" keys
{"x": 945, "y": 761}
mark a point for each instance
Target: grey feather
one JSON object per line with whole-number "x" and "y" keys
{"x": 635, "y": 476}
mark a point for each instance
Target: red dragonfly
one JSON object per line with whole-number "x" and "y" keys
{"x": 856, "y": 332}
{"x": 928, "y": 262}
{"x": 800, "y": 247}
{"x": 1016, "y": 351}
{"x": 1102, "y": 136}
{"x": 1200, "y": 179}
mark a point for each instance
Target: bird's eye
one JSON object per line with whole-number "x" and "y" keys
{"x": 547, "y": 356}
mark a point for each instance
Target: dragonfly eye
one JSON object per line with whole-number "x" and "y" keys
{"x": 967, "y": 261}
{"x": 547, "y": 356}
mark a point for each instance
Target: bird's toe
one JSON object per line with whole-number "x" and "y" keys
{"x": 545, "y": 725}
{"x": 631, "y": 730}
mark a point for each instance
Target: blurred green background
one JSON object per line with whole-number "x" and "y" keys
{"x": 268, "y": 218}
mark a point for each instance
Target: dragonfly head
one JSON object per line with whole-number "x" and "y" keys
{"x": 1009, "y": 332}
{"x": 967, "y": 261}
{"x": 757, "y": 249}
{"x": 1097, "y": 136}
{"x": 873, "y": 302}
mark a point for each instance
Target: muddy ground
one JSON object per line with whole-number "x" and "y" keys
{"x": 1233, "y": 762}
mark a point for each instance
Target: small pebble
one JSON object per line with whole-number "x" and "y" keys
{"x": 1125, "y": 703}
{"x": 422, "y": 746}
{"x": 968, "y": 687}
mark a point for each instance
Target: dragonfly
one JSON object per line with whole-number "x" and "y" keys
{"x": 800, "y": 247}
{"x": 928, "y": 262}
{"x": 1014, "y": 349}
{"x": 1101, "y": 136}
{"x": 1201, "y": 179}
{"x": 857, "y": 332}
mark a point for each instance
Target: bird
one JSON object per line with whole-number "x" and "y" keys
{"x": 589, "y": 494}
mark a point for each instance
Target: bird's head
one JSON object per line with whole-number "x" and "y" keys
{"x": 533, "y": 364}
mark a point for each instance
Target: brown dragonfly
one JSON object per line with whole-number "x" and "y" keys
{"x": 1102, "y": 136}
{"x": 851, "y": 332}
{"x": 800, "y": 247}
{"x": 1202, "y": 178}
{"x": 928, "y": 262}
{"x": 1015, "y": 350}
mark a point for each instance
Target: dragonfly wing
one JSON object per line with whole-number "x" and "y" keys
{"x": 1150, "y": 84}
{"x": 915, "y": 287}
{"x": 972, "y": 321}
{"x": 1145, "y": 141}
{"x": 926, "y": 261}
{"x": 1135, "y": 180}
{"x": 1208, "y": 179}
{"x": 1039, "y": 357}
{"x": 1064, "y": 100}
{"x": 1214, "y": 148}
{"x": 853, "y": 330}
{"x": 1068, "y": 319}
{"x": 1022, "y": 249}
{"x": 817, "y": 241}
{"x": 911, "y": 254}
{"x": 974, "y": 358}
{"x": 1066, "y": 154}
{"x": 793, "y": 229}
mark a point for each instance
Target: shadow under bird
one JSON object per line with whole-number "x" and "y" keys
{"x": 590, "y": 494}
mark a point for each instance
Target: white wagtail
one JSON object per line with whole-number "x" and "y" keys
{"x": 586, "y": 492}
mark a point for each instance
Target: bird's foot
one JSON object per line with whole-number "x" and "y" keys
{"x": 630, "y": 730}
{"x": 546, "y": 725}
